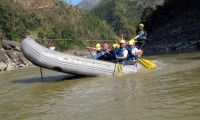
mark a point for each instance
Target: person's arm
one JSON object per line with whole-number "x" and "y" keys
{"x": 136, "y": 52}
{"x": 139, "y": 35}
{"x": 136, "y": 37}
{"x": 124, "y": 56}
{"x": 92, "y": 48}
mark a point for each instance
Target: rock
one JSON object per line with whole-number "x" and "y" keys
{"x": 3, "y": 66}
{"x": 11, "y": 66}
{"x": 11, "y": 56}
{"x": 3, "y": 57}
{"x": 8, "y": 45}
{"x": 25, "y": 60}
{"x": 182, "y": 37}
{"x": 14, "y": 55}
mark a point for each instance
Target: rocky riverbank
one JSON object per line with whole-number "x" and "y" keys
{"x": 177, "y": 38}
{"x": 11, "y": 56}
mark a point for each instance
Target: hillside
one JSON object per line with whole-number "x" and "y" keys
{"x": 123, "y": 16}
{"x": 90, "y": 4}
{"x": 50, "y": 19}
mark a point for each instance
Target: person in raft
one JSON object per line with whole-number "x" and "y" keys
{"x": 141, "y": 36}
{"x": 97, "y": 48}
{"x": 101, "y": 51}
{"x": 111, "y": 54}
{"x": 133, "y": 51}
{"x": 122, "y": 52}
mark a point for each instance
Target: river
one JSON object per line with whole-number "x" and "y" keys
{"x": 170, "y": 92}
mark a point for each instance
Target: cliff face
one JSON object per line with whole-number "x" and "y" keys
{"x": 177, "y": 38}
{"x": 174, "y": 27}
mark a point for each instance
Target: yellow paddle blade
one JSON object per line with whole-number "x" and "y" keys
{"x": 150, "y": 63}
{"x": 119, "y": 68}
{"x": 143, "y": 63}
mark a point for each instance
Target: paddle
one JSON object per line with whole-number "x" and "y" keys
{"x": 119, "y": 66}
{"x": 150, "y": 63}
{"x": 90, "y": 52}
{"x": 147, "y": 63}
{"x": 143, "y": 63}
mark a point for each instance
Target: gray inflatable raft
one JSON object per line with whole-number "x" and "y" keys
{"x": 50, "y": 59}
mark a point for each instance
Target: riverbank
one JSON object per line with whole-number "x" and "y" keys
{"x": 11, "y": 56}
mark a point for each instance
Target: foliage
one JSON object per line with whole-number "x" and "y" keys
{"x": 0, "y": 46}
{"x": 15, "y": 25}
{"x": 172, "y": 12}
{"x": 122, "y": 15}
{"x": 67, "y": 23}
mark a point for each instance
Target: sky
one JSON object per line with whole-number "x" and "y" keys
{"x": 73, "y": 2}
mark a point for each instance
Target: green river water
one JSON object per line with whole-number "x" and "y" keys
{"x": 170, "y": 92}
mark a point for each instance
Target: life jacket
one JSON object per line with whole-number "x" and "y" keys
{"x": 101, "y": 54}
{"x": 143, "y": 37}
{"x": 127, "y": 47}
{"x": 100, "y": 50}
{"x": 111, "y": 55}
{"x": 119, "y": 53}
{"x": 130, "y": 56}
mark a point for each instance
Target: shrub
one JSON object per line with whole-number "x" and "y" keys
{"x": 0, "y": 46}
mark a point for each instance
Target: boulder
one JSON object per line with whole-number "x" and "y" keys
{"x": 8, "y": 45}
{"x": 3, "y": 57}
{"x": 14, "y": 55}
{"x": 11, "y": 56}
{"x": 3, "y": 66}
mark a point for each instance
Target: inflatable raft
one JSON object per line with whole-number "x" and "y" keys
{"x": 62, "y": 62}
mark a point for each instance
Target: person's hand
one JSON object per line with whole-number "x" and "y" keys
{"x": 116, "y": 56}
{"x": 107, "y": 51}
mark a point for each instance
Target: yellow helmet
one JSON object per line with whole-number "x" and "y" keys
{"x": 141, "y": 25}
{"x": 122, "y": 41}
{"x": 131, "y": 42}
{"x": 97, "y": 45}
{"x": 115, "y": 45}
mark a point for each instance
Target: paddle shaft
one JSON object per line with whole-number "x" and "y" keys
{"x": 90, "y": 52}
{"x": 115, "y": 55}
{"x": 119, "y": 67}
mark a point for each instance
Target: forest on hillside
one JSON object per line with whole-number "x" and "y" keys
{"x": 69, "y": 27}
{"x": 123, "y": 16}
{"x": 64, "y": 22}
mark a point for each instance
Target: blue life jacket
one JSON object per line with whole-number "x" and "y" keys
{"x": 102, "y": 55}
{"x": 130, "y": 56}
{"x": 127, "y": 47}
{"x": 119, "y": 53}
{"x": 143, "y": 37}
{"x": 111, "y": 55}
